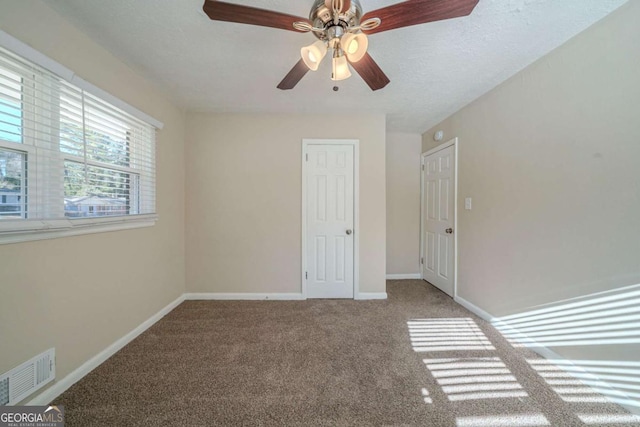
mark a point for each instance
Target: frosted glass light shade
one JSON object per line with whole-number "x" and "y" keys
{"x": 312, "y": 55}
{"x": 355, "y": 46}
{"x": 340, "y": 68}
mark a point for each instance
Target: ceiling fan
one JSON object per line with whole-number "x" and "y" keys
{"x": 341, "y": 26}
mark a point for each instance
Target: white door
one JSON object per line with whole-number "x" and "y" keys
{"x": 330, "y": 220}
{"x": 438, "y": 192}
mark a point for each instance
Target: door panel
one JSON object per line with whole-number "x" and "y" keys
{"x": 443, "y": 203}
{"x": 321, "y": 197}
{"x": 443, "y": 258}
{"x": 438, "y": 219}
{"x": 431, "y": 253}
{"x": 340, "y": 246}
{"x": 330, "y": 210}
{"x": 321, "y": 259}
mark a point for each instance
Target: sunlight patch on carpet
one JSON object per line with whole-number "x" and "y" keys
{"x": 475, "y": 378}
{"x": 440, "y": 334}
{"x": 520, "y": 420}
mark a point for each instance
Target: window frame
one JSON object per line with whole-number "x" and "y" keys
{"x": 15, "y": 230}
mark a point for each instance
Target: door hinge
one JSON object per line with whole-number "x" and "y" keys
{"x": 306, "y": 275}
{"x": 422, "y": 261}
{"x": 422, "y": 167}
{"x": 306, "y": 156}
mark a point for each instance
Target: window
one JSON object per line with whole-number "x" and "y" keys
{"x": 68, "y": 159}
{"x": 12, "y": 184}
{"x": 10, "y": 106}
{"x": 12, "y": 162}
{"x": 106, "y": 166}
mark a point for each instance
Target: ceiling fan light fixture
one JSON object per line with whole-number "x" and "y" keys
{"x": 340, "y": 68}
{"x": 355, "y": 46}
{"x": 338, "y": 24}
{"x": 313, "y": 54}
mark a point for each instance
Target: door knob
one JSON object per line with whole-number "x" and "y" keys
{"x": 449, "y": 231}
{"x": 349, "y": 232}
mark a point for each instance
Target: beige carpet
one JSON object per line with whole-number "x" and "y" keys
{"x": 416, "y": 359}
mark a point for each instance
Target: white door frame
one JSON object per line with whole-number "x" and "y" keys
{"x": 454, "y": 143}
{"x": 356, "y": 208}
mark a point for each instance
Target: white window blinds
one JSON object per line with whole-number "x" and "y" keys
{"x": 66, "y": 154}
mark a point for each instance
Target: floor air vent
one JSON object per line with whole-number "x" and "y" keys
{"x": 24, "y": 380}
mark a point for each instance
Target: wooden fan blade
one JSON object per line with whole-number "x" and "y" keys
{"x": 221, "y": 11}
{"x": 413, "y": 12}
{"x": 370, "y": 72}
{"x": 295, "y": 75}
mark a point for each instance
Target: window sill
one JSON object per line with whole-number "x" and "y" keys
{"x": 26, "y": 230}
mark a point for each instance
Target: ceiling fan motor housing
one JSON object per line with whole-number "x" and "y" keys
{"x": 321, "y": 16}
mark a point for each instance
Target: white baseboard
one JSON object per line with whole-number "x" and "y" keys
{"x": 60, "y": 386}
{"x": 244, "y": 297}
{"x": 410, "y": 276}
{"x": 371, "y": 295}
{"x": 269, "y": 297}
{"x": 473, "y": 308}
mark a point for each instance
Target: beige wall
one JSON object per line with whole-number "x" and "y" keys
{"x": 81, "y": 294}
{"x": 403, "y": 203}
{"x": 244, "y": 189}
{"x": 551, "y": 159}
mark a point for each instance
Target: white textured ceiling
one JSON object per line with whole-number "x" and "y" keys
{"x": 435, "y": 69}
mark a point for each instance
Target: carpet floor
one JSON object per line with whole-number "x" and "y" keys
{"x": 416, "y": 359}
